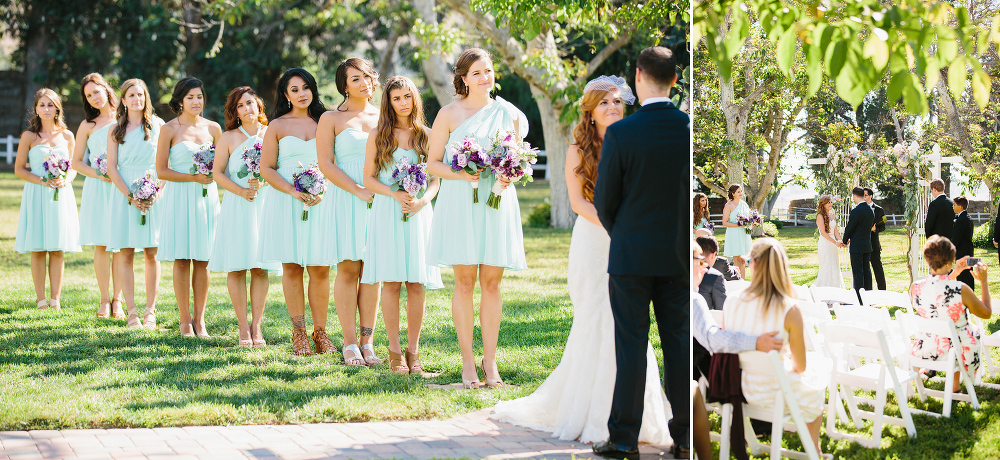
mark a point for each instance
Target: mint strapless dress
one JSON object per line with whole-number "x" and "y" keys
{"x": 136, "y": 157}
{"x": 237, "y": 233}
{"x": 396, "y": 251}
{"x": 351, "y": 213}
{"x": 737, "y": 241}
{"x": 187, "y": 230}
{"x": 286, "y": 238}
{"x": 44, "y": 224}
{"x": 467, "y": 233}
{"x": 95, "y": 202}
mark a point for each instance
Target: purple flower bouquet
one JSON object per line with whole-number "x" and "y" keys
{"x": 101, "y": 164}
{"x": 309, "y": 180}
{"x": 410, "y": 178}
{"x": 510, "y": 158}
{"x": 55, "y": 168}
{"x": 251, "y": 163}
{"x": 203, "y": 160}
{"x": 469, "y": 156}
{"x": 145, "y": 189}
{"x": 750, "y": 222}
{"x": 709, "y": 226}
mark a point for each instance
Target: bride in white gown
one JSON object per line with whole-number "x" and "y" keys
{"x": 574, "y": 402}
{"x": 827, "y": 253}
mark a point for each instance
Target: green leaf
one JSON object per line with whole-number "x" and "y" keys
{"x": 878, "y": 51}
{"x": 836, "y": 60}
{"x": 786, "y": 50}
{"x": 981, "y": 88}
{"x": 895, "y": 90}
{"x": 933, "y": 73}
{"x": 956, "y": 76}
{"x": 947, "y": 45}
{"x": 913, "y": 96}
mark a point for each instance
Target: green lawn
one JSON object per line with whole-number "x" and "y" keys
{"x": 70, "y": 370}
{"x": 968, "y": 434}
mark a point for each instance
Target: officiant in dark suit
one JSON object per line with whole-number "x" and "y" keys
{"x": 647, "y": 218}
{"x": 962, "y": 238}
{"x": 858, "y": 235}
{"x": 877, "y": 272}
{"x": 940, "y": 214}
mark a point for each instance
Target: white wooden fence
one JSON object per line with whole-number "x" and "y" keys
{"x": 8, "y": 147}
{"x": 797, "y": 217}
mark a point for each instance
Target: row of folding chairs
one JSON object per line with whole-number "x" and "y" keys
{"x": 834, "y": 295}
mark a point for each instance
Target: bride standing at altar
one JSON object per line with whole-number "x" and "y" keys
{"x": 827, "y": 253}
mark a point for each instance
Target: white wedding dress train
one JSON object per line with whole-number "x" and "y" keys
{"x": 574, "y": 402}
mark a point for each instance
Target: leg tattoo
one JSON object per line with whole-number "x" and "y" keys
{"x": 366, "y": 331}
{"x": 299, "y": 322}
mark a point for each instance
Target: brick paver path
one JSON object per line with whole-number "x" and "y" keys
{"x": 472, "y": 436}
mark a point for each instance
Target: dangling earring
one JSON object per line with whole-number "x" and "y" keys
{"x": 591, "y": 121}
{"x": 289, "y": 104}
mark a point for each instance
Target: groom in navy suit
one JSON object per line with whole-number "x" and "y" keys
{"x": 643, "y": 203}
{"x": 858, "y": 234}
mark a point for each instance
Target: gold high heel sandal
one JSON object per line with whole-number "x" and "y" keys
{"x": 397, "y": 363}
{"x": 102, "y": 312}
{"x": 492, "y": 384}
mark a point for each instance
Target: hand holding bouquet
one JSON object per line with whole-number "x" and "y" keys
{"x": 510, "y": 159}
{"x": 251, "y": 163}
{"x": 144, "y": 190}
{"x": 55, "y": 167}
{"x": 709, "y": 226}
{"x": 203, "y": 160}
{"x": 468, "y": 156}
{"x": 101, "y": 165}
{"x": 410, "y": 178}
{"x": 750, "y": 222}
{"x": 309, "y": 180}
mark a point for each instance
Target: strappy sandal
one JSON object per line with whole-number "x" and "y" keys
{"x": 149, "y": 318}
{"x": 397, "y": 364}
{"x": 248, "y": 343}
{"x": 300, "y": 342}
{"x": 323, "y": 343}
{"x": 492, "y": 384}
{"x": 373, "y": 359}
{"x": 116, "y": 309}
{"x": 356, "y": 359}
{"x": 102, "y": 312}
{"x": 43, "y": 304}
{"x": 258, "y": 342}
{"x": 203, "y": 333}
{"x": 133, "y": 319}
{"x": 54, "y": 304}
{"x": 190, "y": 329}
{"x": 472, "y": 384}
{"x": 414, "y": 361}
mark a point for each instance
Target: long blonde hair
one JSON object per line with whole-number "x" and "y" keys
{"x": 35, "y": 123}
{"x": 771, "y": 282}
{"x": 385, "y": 141}
{"x": 122, "y": 114}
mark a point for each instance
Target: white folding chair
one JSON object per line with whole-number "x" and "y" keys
{"x": 878, "y": 373}
{"x": 785, "y": 409}
{"x": 872, "y": 318}
{"x": 735, "y": 287}
{"x": 833, "y": 295}
{"x": 988, "y": 341}
{"x": 802, "y": 292}
{"x": 914, "y": 325}
{"x": 814, "y": 315}
{"x": 886, "y": 299}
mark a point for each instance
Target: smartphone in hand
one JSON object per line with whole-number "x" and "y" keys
{"x": 973, "y": 261}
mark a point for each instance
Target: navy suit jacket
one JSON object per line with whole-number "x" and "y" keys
{"x": 858, "y": 232}
{"x": 642, "y": 192}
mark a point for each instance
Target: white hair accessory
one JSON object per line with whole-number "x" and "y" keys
{"x": 609, "y": 83}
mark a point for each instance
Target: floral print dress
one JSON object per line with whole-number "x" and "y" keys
{"x": 938, "y": 296}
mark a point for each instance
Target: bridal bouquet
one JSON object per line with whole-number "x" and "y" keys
{"x": 145, "y": 189}
{"x": 251, "y": 163}
{"x": 101, "y": 164}
{"x": 55, "y": 168}
{"x": 468, "y": 155}
{"x": 309, "y": 180}
{"x": 750, "y": 222}
{"x": 410, "y": 178}
{"x": 510, "y": 158}
{"x": 203, "y": 160}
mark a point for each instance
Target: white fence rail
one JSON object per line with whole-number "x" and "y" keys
{"x": 797, "y": 217}
{"x": 8, "y": 147}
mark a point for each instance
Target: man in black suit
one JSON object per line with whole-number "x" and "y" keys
{"x": 940, "y": 215}
{"x": 646, "y": 218}
{"x": 879, "y": 227}
{"x": 713, "y": 284}
{"x": 963, "y": 238}
{"x": 858, "y": 234}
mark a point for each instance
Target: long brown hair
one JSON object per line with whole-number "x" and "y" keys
{"x": 821, "y": 211}
{"x": 233, "y": 120}
{"x": 588, "y": 143}
{"x": 35, "y": 123}
{"x": 385, "y": 142}
{"x": 122, "y": 114}
{"x": 468, "y": 57}
{"x": 700, "y": 211}
{"x": 771, "y": 282}
{"x": 90, "y": 112}
{"x": 363, "y": 66}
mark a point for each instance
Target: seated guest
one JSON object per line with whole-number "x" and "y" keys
{"x": 713, "y": 285}
{"x": 768, "y": 304}
{"x": 940, "y": 295}
{"x": 962, "y": 237}
{"x": 729, "y": 272}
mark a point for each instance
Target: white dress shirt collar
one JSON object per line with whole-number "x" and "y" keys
{"x": 653, "y": 100}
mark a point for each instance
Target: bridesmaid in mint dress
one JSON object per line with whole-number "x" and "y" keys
{"x": 470, "y": 237}
{"x": 298, "y": 245}
{"x": 99, "y": 104}
{"x": 190, "y": 204}
{"x": 46, "y": 227}
{"x": 396, "y": 251}
{"x": 238, "y": 246}
{"x": 132, "y": 155}
{"x": 340, "y": 139}
{"x": 738, "y": 241}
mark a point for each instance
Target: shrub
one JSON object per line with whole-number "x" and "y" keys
{"x": 777, "y": 223}
{"x": 770, "y": 229}
{"x": 982, "y": 236}
{"x": 541, "y": 215}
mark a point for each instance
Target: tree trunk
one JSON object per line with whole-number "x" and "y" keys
{"x": 556, "y": 135}
{"x": 385, "y": 66}
{"x": 193, "y": 41}
{"x": 437, "y": 71}
{"x": 35, "y": 41}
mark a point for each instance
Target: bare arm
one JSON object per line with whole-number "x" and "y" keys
{"x": 163, "y": 170}
{"x": 83, "y": 135}
{"x": 269, "y": 166}
{"x": 326, "y": 134}
{"x": 71, "y": 146}
{"x": 21, "y": 161}
{"x": 796, "y": 338}
{"x": 223, "y": 149}
{"x": 980, "y": 308}
{"x": 371, "y": 180}
{"x": 580, "y": 204}
{"x": 726, "y": 210}
{"x": 437, "y": 144}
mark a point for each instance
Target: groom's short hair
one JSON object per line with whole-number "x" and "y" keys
{"x": 937, "y": 184}
{"x": 962, "y": 201}
{"x": 858, "y": 192}
{"x": 869, "y": 192}
{"x": 658, "y": 64}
